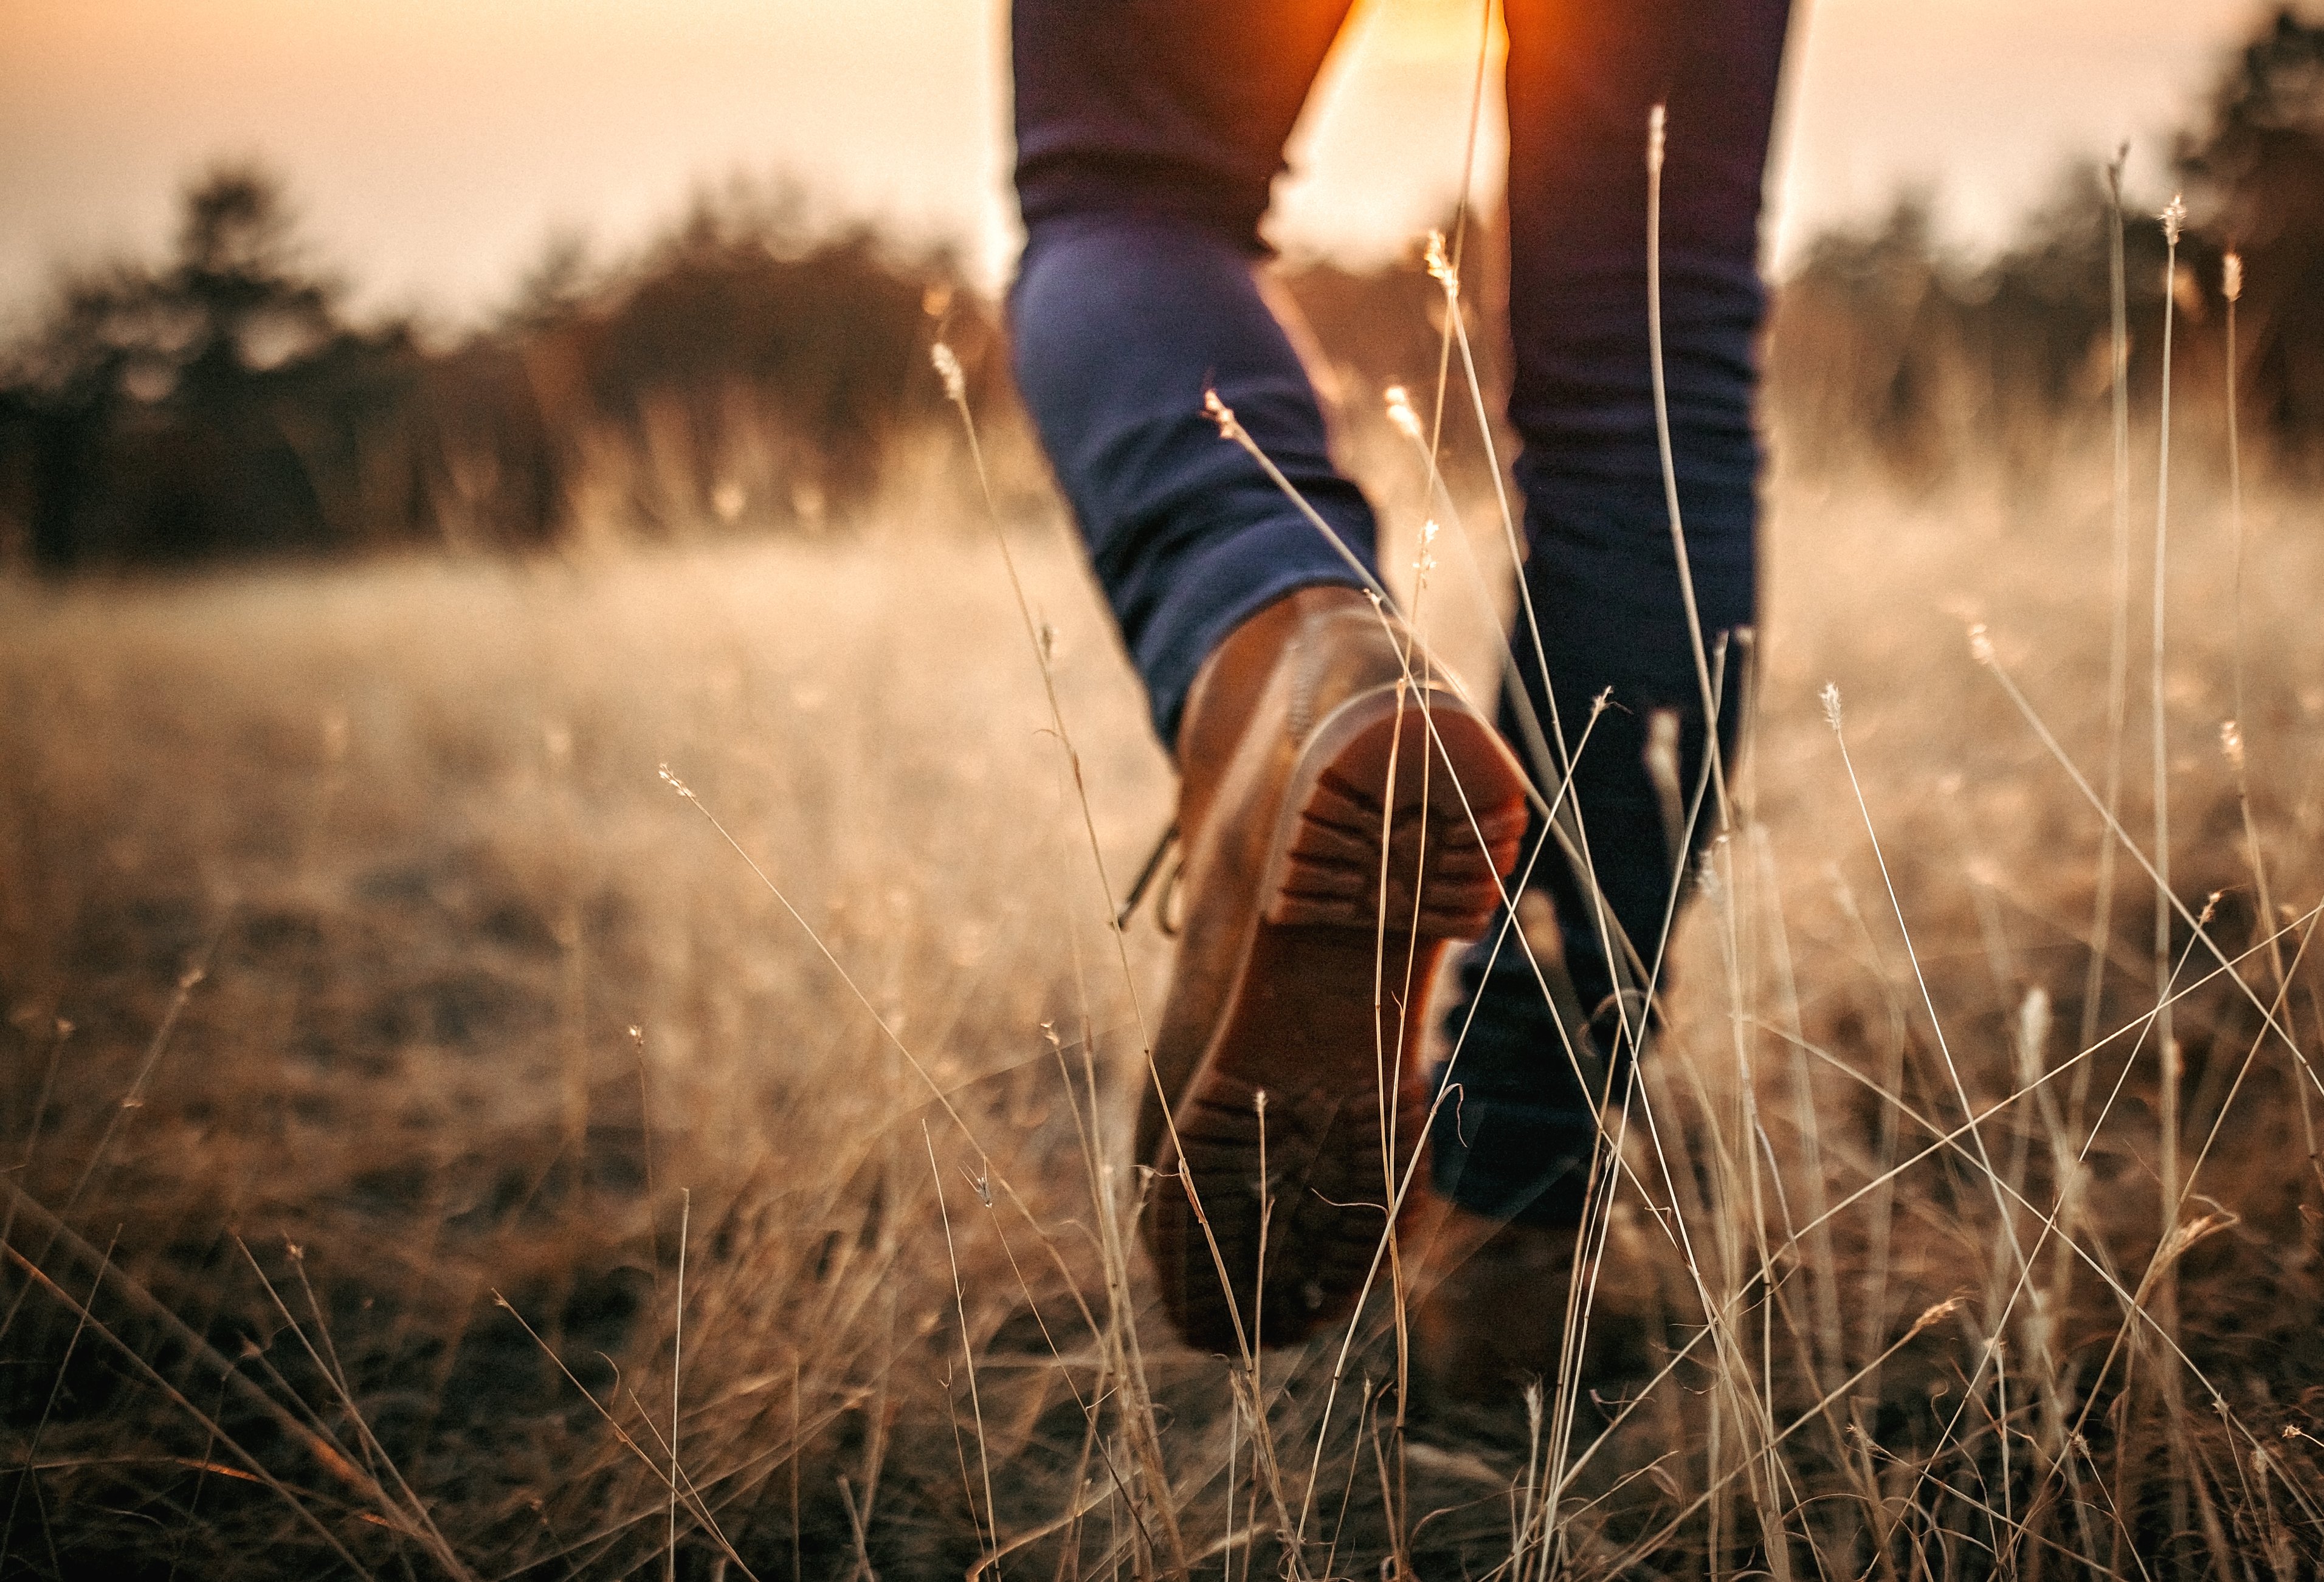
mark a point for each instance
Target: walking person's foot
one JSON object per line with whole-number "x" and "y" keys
{"x": 1491, "y": 1300}
{"x": 1488, "y": 1314}
{"x": 1302, "y": 742}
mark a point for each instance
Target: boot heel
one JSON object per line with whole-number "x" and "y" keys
{"x": 1441, "y": 882}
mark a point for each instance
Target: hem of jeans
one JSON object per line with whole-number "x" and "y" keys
{"x": 1168, "y": 694}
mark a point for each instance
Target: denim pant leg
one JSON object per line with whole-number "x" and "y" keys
{"x": 1601, "y": 572}
{"x": 1148, "y": 135}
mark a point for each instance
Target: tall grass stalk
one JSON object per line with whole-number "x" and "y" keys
{"x": 991, "y": 1537}
{"x": 2001, "y": 1190}
{"x": 1139, "y": 1414}
{"x": 1928, "y": 1002}
{"x": 2235, "y": 735}
{"x": 677, "y": 1370}
{"x": 191, "y": 979}
{"x": 1460, "y": 245}
{"x": 919, "y": 1069}
{"x": 1658, "y": 120}
{"x": 2173, "y": 217}
{"x": 2231, "y": 288}
{"x": 2117, "y": 609}
{"x": 1447, "y": 275}
{"x": 2166, "y": 1293}
{"x": 1388, "y": 1064}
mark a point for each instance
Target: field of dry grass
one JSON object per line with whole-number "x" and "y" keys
{"x": 392, "y": 1058}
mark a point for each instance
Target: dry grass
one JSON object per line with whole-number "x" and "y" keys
{"x": 406, "y": 822}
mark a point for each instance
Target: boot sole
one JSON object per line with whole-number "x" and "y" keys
{"x": 1300, "y": 1028}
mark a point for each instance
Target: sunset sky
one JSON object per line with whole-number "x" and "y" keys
{"x": 434, "y": 145}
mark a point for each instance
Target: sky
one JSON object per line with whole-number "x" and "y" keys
{"x": 434, "y": 147}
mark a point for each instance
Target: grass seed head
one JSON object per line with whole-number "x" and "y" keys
{"x": 948, "y": 368}
{"x": 1936, "y": 1314}
{"x": 1440, "y": 265}
{"x": 2231, "y": 276}
{"x": 1401, "y": 415}
{"x": 1221, "y": 414}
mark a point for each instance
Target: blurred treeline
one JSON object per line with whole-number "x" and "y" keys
{"x": 744, "y": 370}
{"x": 1880, "y": 342}
{"x": 738, "y": 370}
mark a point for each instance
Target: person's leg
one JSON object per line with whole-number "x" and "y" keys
{"x": 1148, "y": 135}
{"x": 1602, "y": 574}
{"x": 1120, "y": 322}
{"x": 1320, "y": 839}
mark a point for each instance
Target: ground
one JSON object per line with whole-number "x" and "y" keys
{"x": 426, "y": 981}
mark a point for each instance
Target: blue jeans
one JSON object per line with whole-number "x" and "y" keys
{"x": 1148, "y": 133}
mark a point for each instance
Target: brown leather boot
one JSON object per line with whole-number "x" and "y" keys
{"x": 1302, "y": 744}
{"x": 1489, "y": 1315}
{"x": 1489, "y": 1307}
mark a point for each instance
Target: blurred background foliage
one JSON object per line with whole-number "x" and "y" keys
{"x": 743, "y": 371}
{"x": 219, "y": 403}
